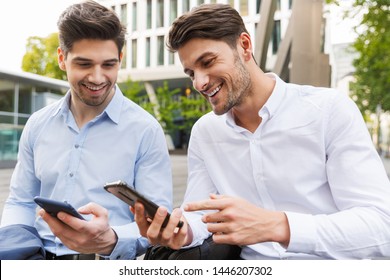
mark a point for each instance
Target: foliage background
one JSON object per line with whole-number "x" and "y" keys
{"x": 372, "y": 75}
{"x": 41, "y": 57}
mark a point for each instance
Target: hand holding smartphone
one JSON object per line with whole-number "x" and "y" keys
{"x": 129, "y": 195}
{"x": 53, "y": 207}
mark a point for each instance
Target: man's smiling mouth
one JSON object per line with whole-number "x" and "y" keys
{"x": 214, "y": 92}
{"x": 94, "y": 88}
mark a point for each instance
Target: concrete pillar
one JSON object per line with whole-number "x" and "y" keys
{"x": 264, "y": 31}
{"x": 309, "y": 64}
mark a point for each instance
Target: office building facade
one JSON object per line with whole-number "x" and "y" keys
{"x": 21, "y": 94}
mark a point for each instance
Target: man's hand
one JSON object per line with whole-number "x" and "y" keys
{"x": 95, "y": 236}
{"x": 239, "y": 222}
{"x": 170, "y": 236}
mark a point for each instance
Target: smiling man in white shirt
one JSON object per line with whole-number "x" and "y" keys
{"x": 283, "y": 170}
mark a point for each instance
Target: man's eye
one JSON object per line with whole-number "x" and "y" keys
{"x": 208, "y": 62}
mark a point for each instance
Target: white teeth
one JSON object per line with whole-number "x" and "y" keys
{"x": 94, "y": 88}
{"x": 211, "y": 94}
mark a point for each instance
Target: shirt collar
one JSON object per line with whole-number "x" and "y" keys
{"x": 112, "y": 110}
{"x": 272, "y": 104}
{"x": 63, "y": 107}
{"x": 276, "y": 96}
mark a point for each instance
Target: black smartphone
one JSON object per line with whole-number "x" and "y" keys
{"x": 129, "y": 195}
{"x": 54, "y": 206}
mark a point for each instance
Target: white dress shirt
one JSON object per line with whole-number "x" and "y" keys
{"x": 311, "y": 157}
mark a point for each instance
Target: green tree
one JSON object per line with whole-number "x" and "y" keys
{"x": 41, "y": 57}
{"x": 135, "y": 91}
{"x": 192, "y": 107}
{"x": 167, "y": 107}
{"x": 372, "y": 74}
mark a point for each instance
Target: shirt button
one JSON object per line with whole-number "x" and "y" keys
{"x": 70, "y": 174}
{"x": 77, "y": 146}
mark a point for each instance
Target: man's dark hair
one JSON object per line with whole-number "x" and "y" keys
{"x": 207, "y": 21}
{"x": 89, "y": 20}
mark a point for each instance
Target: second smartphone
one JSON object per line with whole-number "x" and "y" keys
{"x": 129, "y": 195}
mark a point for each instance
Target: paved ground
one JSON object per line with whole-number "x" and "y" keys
{"x": 179, "y": 170}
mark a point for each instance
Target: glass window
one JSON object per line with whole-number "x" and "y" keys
{"x": 244, "y": 7}
{"x": 149, "y": 14}
{"x": 231, "y": 3}
{"x": 186, "y": 6}
{"x": 9, "y": 139}
{"x": 200, "y": 2}
{"x": 22, "y": 120}
{"x": 134, "y": 17}
{"x": 124, "y": 57}
{"x": 173, "y": 10}
{"x": 25, "y": 94}
{"x": 278, "y": 5}
{"x": 6, "y": 118}
{"x": 258, "y": 3}
{"x": 124, "y": 14}
{"x": 160, "y": 13}
{"x": 134, "y": 53}
{"x": 7, "y": 96}
{"x": 147, "y": 62}
{"x": 160, "y": 50}
{"x": 276, "y": 37}
{"x": 171, "y": 58}
{"x": 46, "y": 89}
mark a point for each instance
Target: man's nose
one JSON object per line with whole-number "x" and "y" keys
{"x": 201, "y": 80}
{"x": 96, "y": 75}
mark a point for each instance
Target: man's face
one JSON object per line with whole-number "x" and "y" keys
{"x": 217, "y": 72}
{"x": 92, "y": 69}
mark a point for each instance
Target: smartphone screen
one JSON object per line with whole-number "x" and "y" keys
{"x": 129, "y": 195}
{"x": 53, "y": 207}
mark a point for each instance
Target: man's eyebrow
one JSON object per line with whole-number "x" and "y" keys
{"x": 112, "y": 60}
{"x": 79, "y": 58}
{"x": 83, "y": 59}
{"x": 199, "y": 59}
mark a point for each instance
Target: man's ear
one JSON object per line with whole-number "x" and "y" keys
{"x": 246, "y": 45}
{"x": 61, "y": 59}
{"x": 120, "y": 56}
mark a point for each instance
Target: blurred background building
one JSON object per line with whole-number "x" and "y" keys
{"x": 148, "y": 22}
{"x": 21, "y": 94}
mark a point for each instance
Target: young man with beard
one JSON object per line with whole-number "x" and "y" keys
{"x": 286, "y": 171}
{"x": 92, "y": 136}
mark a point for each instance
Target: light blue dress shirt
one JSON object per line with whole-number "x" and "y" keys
{"x": 58, "y": 160}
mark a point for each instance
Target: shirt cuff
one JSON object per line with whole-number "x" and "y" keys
{"x": 303, "y": 234}
{"x": 130, "y": 243}
{"x": 199, "y": 229}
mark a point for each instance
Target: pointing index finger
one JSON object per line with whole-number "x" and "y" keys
{"x": 209, "y": 204}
